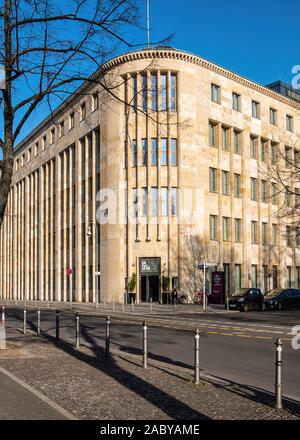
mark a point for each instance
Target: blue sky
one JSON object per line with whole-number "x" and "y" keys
{"x": 256, "y": 39}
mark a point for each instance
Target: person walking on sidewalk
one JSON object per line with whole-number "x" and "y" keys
{"x": 174, "y": 296}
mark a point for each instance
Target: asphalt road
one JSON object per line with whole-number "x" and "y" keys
{"x": 237, "y": 347}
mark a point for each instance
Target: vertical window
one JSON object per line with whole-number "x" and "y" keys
{"x": 274, "y": 234}
{"x": 173, "y": 93}
{"x": 213, "y": 219}
{"x": 82, "y": 111}
{"x": 273, "y": 154}
{"x": 135, "y": 93}
{"x": 61, "y": 129}
{"x": 44, "y": 142}
{"x": 254, "y": 232}
{"x": 212, "y": 134}
{"x": 71, "y": 121}
{"x": 144, "y": 93}
{"x": 254, "y": 275}
{"x": 274, "y": 194}
{"x": 174, "y": 202}
{"x": 163, "y": 91}
{"x": 225, "y": 183}
{"x": 264, "y": 191}
{"x": 253, "y": 189}
{"x": 238, "y": 229}
{"x": 36, "y": 148}
{"x": 52, "y": 136}
{"x": 144, "y": 152}
{"x": 95, "y": 101}
{"x": 275, "y": 277}
{"x": 134, "y": 153}
{"x": 253, "y": 147}
{"x": 238, "y": 276}
{"x": 288, "y": 196}
{"x": 289, "y": 123}
{"x": 29, "y": 155}
{"x": 154, "y": 91}
{"x": 216, "y": 93}
{"x": 289, "y": 236}
{"x": 255, "y": 110}
{"x": 263, "y": 150}
{"x": 225, "y": 138}
{"x": 264, "y": 233}
{"x": 213, "y": 180}
{"x": 273, "y": 116}
{"x": 237, "y": 136}
{"x": 173, "y": 152}
{"x": 226, "y": 228}
{"x": 164, "y": 201}
{"x": 144, "y": 202}
{"x": 236, "y": 102}
{"x": 17, "y": 165}
{"x": 154, "y": 151}
{"x": 237, "y": 185}
{"x": 135, "y": 203}
{"x": 154, "y": 202}
{"x": 289, "y": 276}
{"x": 288, "y": 156}
{"x": 164, "y": 149}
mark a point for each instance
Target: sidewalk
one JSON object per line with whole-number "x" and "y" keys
{"x": 91, "y": 387}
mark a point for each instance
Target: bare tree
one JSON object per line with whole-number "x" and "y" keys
{"x": 49, "y": 48}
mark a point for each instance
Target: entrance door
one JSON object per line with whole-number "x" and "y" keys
{"x": 149, "y": 279}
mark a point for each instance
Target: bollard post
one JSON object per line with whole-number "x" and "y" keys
{"x": 145, "y": 345}
{"x": 3, "y": 315}
{"x": 132, "y": 306}
{"x": 107, "y": 339}
{"x": 38, "y": 323}
{"x": 2, "y": 336}
{"x": 278, "y": 374}
{"x": 197, "y": 357}
{"x": 57, "y": 325}
{"x": 77, "y": 331}
{"x": 24, "y": 322}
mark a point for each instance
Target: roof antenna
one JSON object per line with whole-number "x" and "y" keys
{"x": 148, "y": 25}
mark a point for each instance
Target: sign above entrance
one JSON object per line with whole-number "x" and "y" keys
{"x": 150, "y": 266}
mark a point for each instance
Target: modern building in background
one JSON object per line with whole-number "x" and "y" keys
{"x": 189, "y": 140}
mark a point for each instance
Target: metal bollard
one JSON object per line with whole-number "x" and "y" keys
{"x": 132, "y": 305}
{"x": 38, "y": 323}
{"x": 3, "y": 314}
{"x": 77, "y": 330}
{"x": 145, "y": 345}
{"x": 57, "y": 325}
{"x": 197, "y": 357}
{"x": 278, "y": 374}
{"x": 24, "y": 322}
{"x": 107, "y": 339}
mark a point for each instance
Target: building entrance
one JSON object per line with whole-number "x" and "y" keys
{"x": 149, "y": 279}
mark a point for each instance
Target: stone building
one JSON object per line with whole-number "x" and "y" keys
{"x": 189, "y": 139}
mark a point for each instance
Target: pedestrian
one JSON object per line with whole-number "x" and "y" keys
{"x": 174, "y": 295}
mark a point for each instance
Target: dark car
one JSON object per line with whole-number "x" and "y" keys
{"x": 247, "y": 299}
{"x": 280, "y": 299}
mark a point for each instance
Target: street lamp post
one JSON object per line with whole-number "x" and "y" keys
{"x": 93, "y": 232}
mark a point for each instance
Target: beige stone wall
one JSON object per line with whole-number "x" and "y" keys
{"x": 41, "y": 224}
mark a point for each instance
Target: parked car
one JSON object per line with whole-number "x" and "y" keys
{"x": 282, "y": 299}
{"x": 247, "y": 299}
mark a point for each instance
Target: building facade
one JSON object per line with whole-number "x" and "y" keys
{"x": 149, "y": 173}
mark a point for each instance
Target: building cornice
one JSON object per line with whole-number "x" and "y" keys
{"x": 153, "y": 53}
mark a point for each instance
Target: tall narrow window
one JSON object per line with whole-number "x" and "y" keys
{"x": 95, "y": 101}
{"x": 254, "y": 232}
{"x": 212, "y": 134}
{"x": 236, "y": 102}
{"x": 71, "y": 120}
{"x": 289, "y": 123}
{"x": 144, "y": 152}
{"x": 135, "y": 93}
{"x": 144, "y": 92}
{"x": 288, "y": 157}
{"x": 213, "y": 180}
{"x": 264, "y": 233}
{"x": 255, "y": 110}
{"x": 253, "y": 189}
{"x": 164, "y": 201}
{"x": 263, "y": 150}
{"x": 264, "y": 191}
{"x": 61, "y": 129}
{"x": 225, "y": 138}
{"x": 273, "y": 116}
{"x": 274, "y": 194}
{"x": 82, "y": 111}
{"x": 274, "y": 153}
{"x": 237, "y": 137}
{"x": 226, "y": 228}
{"x": 237, "y": 185}
{"x": 238, "y": 230}
{"x": 254, "y": 275}
{"x": 173, "y": 152}
{"x": 213, "y": 220}
{"x": 163, "y": 91}
{"x": 144, "y": 202}
{"x": 135, "y": 203}
{"x": 154, "y": 202}
{"x": 274, "y": 234}
{"x": 134, "y": 153}
{"x": 154, "y": 151}
{"x": 44, "y": 142}
{"x": 238, "y": 276}
{"x": 154, "y": 91}
{"x": 164, "y": 150}
{"x": 288, "y": 236}
{"x": 225, "y": 183}
{"x": 289, "y": 276}
{"x": 52, "y": 136}
{"x": 174, "y": 202}
{"x": 253, "y": 147}
{"x": 173, "y": 87}
{"x": 216, "y": 93}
